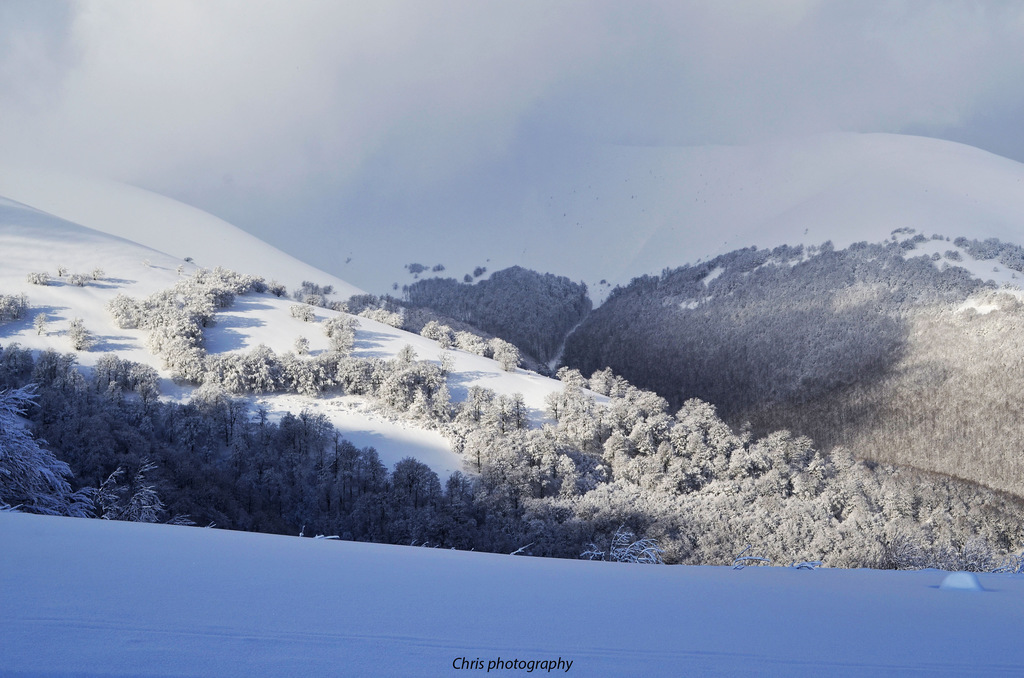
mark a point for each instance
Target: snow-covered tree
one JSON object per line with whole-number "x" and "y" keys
{"x": 40, "y": 323}
{"x": 32, "y": 478}
{"x": 341, "y": 333}
{"x": 406, "y": 354}
{"x": 626, "y": 548}
{"x": 303, "y": 312}
{"x": 136, "y": 501}
{"x": 81, "y": 338}
{"x": 392, "y": 318}
{"x": 12, "y": 306}
{"x": 471, "y": 343}
{"x": 506, "y": 354}
{"x": 442, "y": 334}
{"x": 127, "y": 312}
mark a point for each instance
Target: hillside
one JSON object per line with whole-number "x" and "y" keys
{"x": 553, "y": 464}
{"x": 634, "y": 210}
{"x": 159, "y": 223}
{"x": 35, "y": 241}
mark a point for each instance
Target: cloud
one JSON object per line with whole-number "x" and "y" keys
{"x": 272, "y": 92}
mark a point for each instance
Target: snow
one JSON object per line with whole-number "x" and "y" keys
{"x": 160, "y": 223}
{"x": 717, "y": 271}
{"x": 633, "y": 211}
{"x": 358, "y": 423}
{"x": 638, "y": 210}
{"x": 34, "y": 240}
{"x": 98, "y": 598}
{"x": 961, "y": 581}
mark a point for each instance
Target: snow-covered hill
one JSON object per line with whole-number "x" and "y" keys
{"x": 99, "y": 598}
{"x": 632, "y": 211}
{"x": 636, "y": 210}
{"x": 125, "y": 227}
{"x": 159, "y": 223}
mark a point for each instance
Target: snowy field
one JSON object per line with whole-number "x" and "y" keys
{"x": 98, "y": 598}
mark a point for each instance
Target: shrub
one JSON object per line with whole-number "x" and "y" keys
{"x": 13, "y": 306}
{"x": 303, "y": 312}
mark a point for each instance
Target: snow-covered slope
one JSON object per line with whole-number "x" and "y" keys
{"x": 160, "y": 223}
{"x": 33, "y": 240}
{"x": 629, "y": 211}
{"x": 99, "y": 598}
{"x": 632, "y": 211}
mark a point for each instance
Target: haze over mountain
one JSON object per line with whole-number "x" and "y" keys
{"x": 635, "y": 210}
{"x": 462, "y": 124}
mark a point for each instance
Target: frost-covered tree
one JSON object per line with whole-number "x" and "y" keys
{"x": 127, "y": 312}
{"x": 135, "y": 501}
{"x": 113, "y": 375}
{"x": 341, "y": 333}
{"x": 392, "y": 318}
{"x": 32, "y": 478}
{"x": 506, "y": 354}
{"x": 81, "y": 338}
{"x": 303, "y": 312}
{"x": 302, "y": 346}
{"x": 624, "y": 547}
{"x": 447, "y": 362}
{"x": 13, "y": 306}
{"x": 406, "y": 354}
{"x": 40, "y": 323}
{"x": 38, "y": 278}
{"x": 442, "y": 334}
{"x": 471, "y": 343}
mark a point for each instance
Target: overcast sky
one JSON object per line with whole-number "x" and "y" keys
{"x": 306, "y": 118}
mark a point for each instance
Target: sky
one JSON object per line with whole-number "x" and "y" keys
{"x": 353, "y": 131}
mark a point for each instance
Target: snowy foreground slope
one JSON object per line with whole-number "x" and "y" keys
{"x": 98, "y": 598}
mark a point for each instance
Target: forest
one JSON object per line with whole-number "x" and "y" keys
{"x": 610, "y": 462}
{"x": 871, "y": 348}
{"x": 530, "y": 310}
